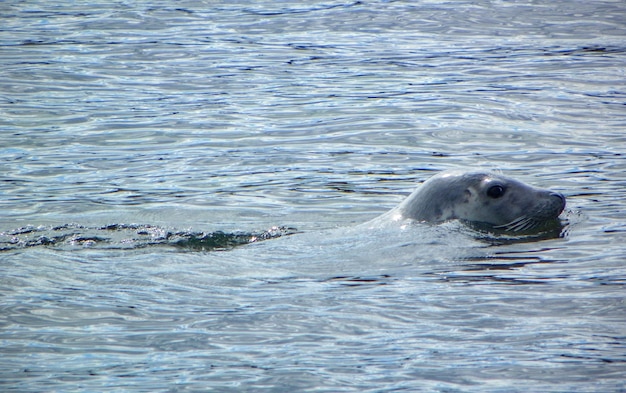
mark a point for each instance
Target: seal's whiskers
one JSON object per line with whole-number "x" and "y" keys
{"x": 521, "y": 223}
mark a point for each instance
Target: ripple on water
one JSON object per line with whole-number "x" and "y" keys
{"x": 206, "y": 122}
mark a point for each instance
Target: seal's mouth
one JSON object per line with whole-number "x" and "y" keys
{"x": 520, "y": 224}
{"x": 542, "y": 216}
{"x": 524, "y": 229}
{"x": 527, "y": 223}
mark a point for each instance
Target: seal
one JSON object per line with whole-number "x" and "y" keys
{"x": 480, "y": 197}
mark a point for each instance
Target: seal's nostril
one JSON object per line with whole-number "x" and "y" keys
{"x": 558, "y": 195}
{"x": 561, "y": 197}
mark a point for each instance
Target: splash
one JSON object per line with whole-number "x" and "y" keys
{"x": 131, "y": 236}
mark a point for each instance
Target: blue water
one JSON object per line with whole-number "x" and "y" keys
{"x": 182, "y": 184}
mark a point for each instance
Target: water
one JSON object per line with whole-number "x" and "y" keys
{"x": 127, "y": 127}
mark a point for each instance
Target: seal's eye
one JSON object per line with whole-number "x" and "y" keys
{"x": 495, "y": 191}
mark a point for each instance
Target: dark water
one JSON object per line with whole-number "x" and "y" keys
{"x": 148, "y": 148}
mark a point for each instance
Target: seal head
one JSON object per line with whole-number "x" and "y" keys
{"x": 481, "y": 197}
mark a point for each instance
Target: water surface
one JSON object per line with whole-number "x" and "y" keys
{"x": 127, "y": 127}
